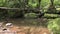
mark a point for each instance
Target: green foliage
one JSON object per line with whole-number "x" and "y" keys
{"x": 13, "y": 4}
{"x": 54, "y": 25}
{"x": 2, "y": 2}
{"x": 57, "y": 2}
{"x": 10, "y": 3}
{"x": 45, "y": 3}
{"x": 33, "y": 3}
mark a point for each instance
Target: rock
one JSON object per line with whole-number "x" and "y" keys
{"x": 9, "y": 25}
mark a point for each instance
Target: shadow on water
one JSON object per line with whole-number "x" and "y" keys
{"x": 29, "y": 22}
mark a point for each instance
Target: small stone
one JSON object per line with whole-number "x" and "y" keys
{"x": 9, "y": 25}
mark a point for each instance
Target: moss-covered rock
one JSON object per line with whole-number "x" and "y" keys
{"x": 46, "y": 15}
{"x": 30, "y": 15}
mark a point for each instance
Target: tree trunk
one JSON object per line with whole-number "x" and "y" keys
{"x": 52, "y": 2}
{"x": 52, "y": 8}
{"x": 39, "y": 2}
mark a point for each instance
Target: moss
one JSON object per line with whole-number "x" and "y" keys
{"x": 30, "y": 15}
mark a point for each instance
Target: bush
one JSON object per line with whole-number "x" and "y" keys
{"x": 54, "y": 25}
{"x": 33, "y": 3}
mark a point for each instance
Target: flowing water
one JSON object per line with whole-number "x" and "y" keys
{"x": 28, "y": 22}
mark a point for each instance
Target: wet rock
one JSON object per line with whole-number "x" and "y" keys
{"x": 9, "y": 25}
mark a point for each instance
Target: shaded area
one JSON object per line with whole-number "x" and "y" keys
{"x": 28, "y": 22}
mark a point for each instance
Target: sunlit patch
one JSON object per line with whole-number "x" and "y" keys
{"x": 44, "y": 33}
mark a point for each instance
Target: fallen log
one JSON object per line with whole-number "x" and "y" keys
{"x": 8, "y": 8}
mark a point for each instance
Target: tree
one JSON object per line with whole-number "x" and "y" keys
{"x": 52, "y": 8}
{"x": 39, "y": 2}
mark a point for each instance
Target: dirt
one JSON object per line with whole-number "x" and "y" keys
{"x": 30, "y": 30}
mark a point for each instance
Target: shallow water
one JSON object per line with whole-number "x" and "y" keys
{"x": 28, "y": 22}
